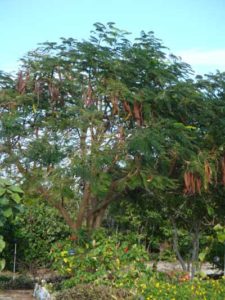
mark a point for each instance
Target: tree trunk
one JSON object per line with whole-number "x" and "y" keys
{"x": 176, "y": 247}
{"x": 94, "y": 219}
{"x": 59, "y": 206}
{"x": 70, "y": 222}
{"x": 89, "y": 216}
{"x": 83, "y": 206}
{"x": 96, "y": 211}
{"x": 195, "y": 250}
{"x": 99, "y": 218}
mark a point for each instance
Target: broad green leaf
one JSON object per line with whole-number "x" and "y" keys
{"x": 8, "y": 212}
{"x": 2, "y": 244}
{"x": 221, "y": 237}
{"x": 2, "y": 264}
{"x": 218, "y": 227}
{"x": 190, "y": 127}
{"x": 203, "y": 254}
{"x": 210, "y": 210}
{"x": 16, "y": 189}
{"x": 4, "y": 201}
{"x": 16, "y": 197}
{"x": 4, "y": 182}
{"x": 2, "y": 191}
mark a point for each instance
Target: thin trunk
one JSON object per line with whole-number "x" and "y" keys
{"x": 111, "y": 195}
{"x": 58, "y": 205}
{"x": 83, "y": 205}
{"x": 96, "y": 215}
{"x": 69, "y": 221}
{"x": 99, "y": 218}
{"x": 90, "y": 217}
{"x": 195, "y": 250}
{"x": 176, "y": 247}
{"x": 85, "y": 201}
{"x": 83, "y": 145}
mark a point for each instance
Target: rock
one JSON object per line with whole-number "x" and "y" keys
{"x": 40, "y": 291}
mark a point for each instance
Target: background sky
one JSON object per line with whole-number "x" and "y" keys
{"x": 192, "y": 29}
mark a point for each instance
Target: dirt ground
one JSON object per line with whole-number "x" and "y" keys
{"x": 164, "y": 266}
{"x": 16, "y": 295}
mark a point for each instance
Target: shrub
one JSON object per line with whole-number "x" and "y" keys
{"x": 114, "y": 260}
{"x": 35, "y": 229}
{"x": 92, "y": 292}
{"x": 152, "y": 287}
{"x": 20, "y": 282}
{"x": 106, "y": 266}
{"x": 196, "y": 289}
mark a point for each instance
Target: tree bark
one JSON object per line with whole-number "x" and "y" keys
{"x": 176, "y": 247}
{"x": 96, "y": 215}
{"x": 99, "y": 218}
{"x": 195, "y": 249}
{"x": 84, "y": 205}
{"x": 66, "y": 216}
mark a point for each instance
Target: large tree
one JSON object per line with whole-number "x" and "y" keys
{"x": 86, "y": 122}
{"x": 66, "y": 120}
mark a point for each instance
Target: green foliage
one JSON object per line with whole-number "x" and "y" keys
{"x": 20, "y": 282}
{"x": 89, "y": 123}
{"x": 196, "y": 289}
{"x": 112, "y": 260}
{"x": 35, "y": 229}
{"x": 95, "y": 113}
{"x": 216, "y": 246}
{"x": 10, "y": 198}
{"x": 220, "y": 233}
{"x": 44, "y": 152}
{"x": 92, "y": 292}
{"x": 2, "y": 246}
{"x": 176, "y": 287}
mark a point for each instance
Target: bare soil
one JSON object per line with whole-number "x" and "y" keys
{"x": 16, "y": 295}
{"x": 164, "y": 266}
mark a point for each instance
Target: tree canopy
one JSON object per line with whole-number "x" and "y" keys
{"x": 89, "y": 123}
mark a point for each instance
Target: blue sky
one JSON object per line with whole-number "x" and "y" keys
{"x": 193, "y": 29}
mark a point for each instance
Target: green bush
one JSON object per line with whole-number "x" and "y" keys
{"x": 20, "y": 282}
{"x": 92, "y": 292}
{"x": 106, "y": 264}
{"x": 116, "y": 260}
{"x": 35, "y": 229}
{"x": 196, "y": 289}
{"x": 150, "y": 287}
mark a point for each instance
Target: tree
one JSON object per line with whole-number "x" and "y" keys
{"x": 86, "y": 124}
{"x": 68, "y": 121}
